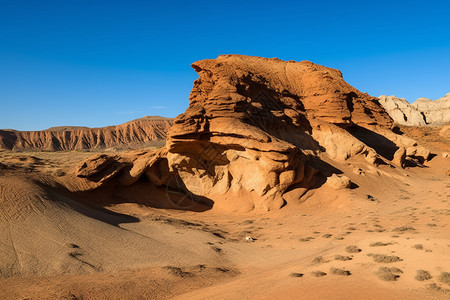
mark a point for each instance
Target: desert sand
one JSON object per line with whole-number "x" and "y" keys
{"x": 309, "y": 192}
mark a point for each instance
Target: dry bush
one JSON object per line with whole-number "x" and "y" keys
{"x": 296, "y": 275}
{"x": 403, "y": 229}
{"x": 342, "y": 257}
{"x": 438, "y": 288}
{"x": 382, "y": 258}
{"x": 423, "y": 275}
{"x": 318, "y": 274}
{"x": 445, "y": 278}
{"x": 388, "y": 274}
{"x": 418, "y": 246}
{"x": 342, "y": 272}
{"x": 319, "y": 260}
{"x": 379, "y": 244}
{"x": 352, "y": 249}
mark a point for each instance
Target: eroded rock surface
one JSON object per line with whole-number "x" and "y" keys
{"x": 254, "y": 134}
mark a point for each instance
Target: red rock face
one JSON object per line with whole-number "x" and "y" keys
{"x": 230, "y": 82}
{"x": 136, "y": 132}
{"x": 252, "y": 129}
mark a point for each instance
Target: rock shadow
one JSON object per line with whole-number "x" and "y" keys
{"x": 383, "y": 146}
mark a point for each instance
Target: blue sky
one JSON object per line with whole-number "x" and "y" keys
{"x": 99, "y": 63}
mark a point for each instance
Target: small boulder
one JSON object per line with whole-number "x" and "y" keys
{"x": 338, "y": 182}
{"x": 419, "y": 152}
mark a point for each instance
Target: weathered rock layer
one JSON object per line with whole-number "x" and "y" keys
{"x": 253, "y": 134}
{"x": 136, "y": 132}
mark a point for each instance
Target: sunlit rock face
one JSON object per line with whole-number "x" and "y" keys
{"x": 251, "y": 131}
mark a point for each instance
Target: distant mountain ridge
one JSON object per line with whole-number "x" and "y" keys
{"x": 134, "y": 133}
{"x": 421, "y": 112}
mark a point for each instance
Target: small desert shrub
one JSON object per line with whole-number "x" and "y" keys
{"x": 388, "y": 274}
{"x": 403, "y": 229}
{"x": 437, "y": 288}
{"x": 319, "y": 260}
{"x": 327, "y": 235}
{"x": 379, "y": 244}
{"x": 296, "y": 275}
{"x": 318, "y": 274}
{"x": 382, "y": 258}
{"x": 352, "y": 249}
{"x": 445, "y": 278}
{"x": 422, "y": 275}
{"x": 418, "y": 246}
{"x": 341, "y": 272}
{"x": 342, "y": 257}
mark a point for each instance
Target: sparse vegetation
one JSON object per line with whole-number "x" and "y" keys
{"x": 423, "y": 275}
{"x": 341, "y": 272}
{"x": 296, "y": 275}
{"x": 342, "y": 257}
{"x": 388, "y": 274}
{"x": 382, "y": 258}
{"x": 445, "y": 278}
{"x": 318, "y": 273}
{"x": 319, "y": 260}
{"x": 418, "y": 246}
{"x": 307, "y": 239}
{"x": 379, "y": 244}
{"x": 437, "y": 288}
{"x": 352, "y": 249}
{"x": 403, "y": 229}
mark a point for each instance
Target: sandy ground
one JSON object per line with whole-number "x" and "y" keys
{"x": 330, "y": 245}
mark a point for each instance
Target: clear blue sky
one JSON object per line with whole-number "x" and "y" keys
{"x": 98, "y": 63}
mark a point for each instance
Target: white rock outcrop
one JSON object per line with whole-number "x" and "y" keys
{"x": 419, "y": 113}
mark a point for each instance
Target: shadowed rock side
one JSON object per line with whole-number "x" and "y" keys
{"x": 421, "y": 112}
{"x": 136, "y": 132}
{"x": 256, "y": 134}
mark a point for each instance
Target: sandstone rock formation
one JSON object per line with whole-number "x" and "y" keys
{"x": 419, "y": 113}
{"x": 136, "y": 132}
{"x": 255, "y": 133}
